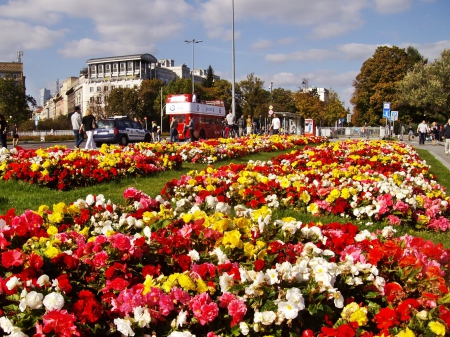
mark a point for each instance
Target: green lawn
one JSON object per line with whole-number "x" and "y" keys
{"x": 22, "y": 196}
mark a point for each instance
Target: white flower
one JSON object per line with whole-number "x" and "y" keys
{"x": 388, "y": 231}
{"x": 268, "y": 317}
{"x": 6, "y": 325}
{"x": 13, "y": 282}
{"x": 223, "y": 208}
{"x": 142, "y": 316}
{"x": 43, "y": 280}
{"x": 53, "y": 301}
{"x": 244, "y": 328}
{"x": 33, "y": 300}
{"x": 294, "y": 295}
{"x": 194, "y": 255}
{"x": 124, "y": 326}
{"x": 182, "y": 318}
{"x": 211, "y": 201}
{"x": 181, "y": 334}
{"x": 337, "y": 297}
{"x": 272, "y": 276}
{"x": 225, "y": 282}
{"x": 288, "y": 309}
{"x": 90, "y": 199}
{"x": 220, "y": 255}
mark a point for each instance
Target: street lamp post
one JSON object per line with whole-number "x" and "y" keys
{"x": 193, "y": 41}
{"x": 233, "y": 99}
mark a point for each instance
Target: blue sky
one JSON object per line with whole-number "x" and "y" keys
{"x": 280, "y": 41}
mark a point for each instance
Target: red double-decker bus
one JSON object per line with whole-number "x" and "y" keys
{"x": 207, "y": 115}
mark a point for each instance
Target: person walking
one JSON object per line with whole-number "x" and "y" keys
{"x": 191, "y": 128}
{"x": 173, "y": 130}
{"x": 435, "y": 133}
{"x": 3, "y": 131}
{"x": 241, "y": 123}
{"x": 15, "y": 133}
{"x": 154, "y": 132}
{"x": 422, "y": 129}
{"x": 88, "y": 124}
{"x": 249, "y": 125}
{"x": 275, "y": 126}
{"x": 230, "y": 123}
{"x": 445, "y": 134}
{"x": 76, "y": 125}
{"x": 410, "y": 132}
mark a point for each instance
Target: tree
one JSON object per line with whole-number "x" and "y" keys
{"x": 427, "y": 88}
{"x": 149, "y": 98}
{"x": 282, "y": 100}
{"x": 13, "y": 101}
{"x": 123, "y": 102}
{"x": 309, "y": 105}
{"x": 208, "y": 82}
{"x": 254, "y": 97}
{"x": 377, "y": 83}
{"x": 334, "y": 108}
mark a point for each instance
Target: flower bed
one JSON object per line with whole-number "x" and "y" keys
{"x": 192, "y": 269}
{"x": 364, "y": 180}
{"x": 61, "y": 168}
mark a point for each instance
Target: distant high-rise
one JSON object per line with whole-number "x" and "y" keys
{"x": 44, "y": 96}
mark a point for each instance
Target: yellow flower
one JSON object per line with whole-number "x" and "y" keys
{"x": 170, "y": 282}
{"x": 359, "y": 316}
{"x": 313, "y": 208}
{"x": 220, "y": 225}
{"x": 187, "y": 218}
{"x": 34, "y": 167}
{"x": 249, "y": 249}
{"x": 437, "y": 328}
{"x": 186, "y": 282}
{"x": 285, "y": 183}
{"x": 334, "y": 194}
{"x": 406, "y": 333}
{"x": 149, "y": 217}
{"x": 201, "y": 286}
{"x": 42, "y": 210}
{"x": 60, "y": 207}
{"x": 148, "y": 284}
{"x": 305, "y": 197}
{"x": 52, "y": 230}
{"x": 84, "y": 231}
{"x": 55, "y": 217}
{"x": 232, "y": 239}
{"x": 345, "y": 193}
{"x": 52, "y": 252}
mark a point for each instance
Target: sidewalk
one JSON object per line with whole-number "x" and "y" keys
{"x": 437, "y": 151}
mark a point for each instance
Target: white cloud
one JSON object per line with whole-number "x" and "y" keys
{"x": 262, "y": 45}
{"x": 391, "y": 6}
{"x": 432, "y": 51}
{"x": 312, "y": 54}
{"x": 16, "y": 35}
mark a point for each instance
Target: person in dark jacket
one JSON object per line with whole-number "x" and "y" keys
{"x": 446, "y": 136}
{"x": 87, "y": 123}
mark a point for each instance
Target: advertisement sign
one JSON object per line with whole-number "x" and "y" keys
{"x": 184, "y": 108}
{"x": 310, "y": 127}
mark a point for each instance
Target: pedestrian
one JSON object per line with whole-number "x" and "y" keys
{"x": 154, "y": 132}
{"x": 158, "y": 134}
{"x": 185, "y": 130}
{"x": 76, "y": 125}
{"x": 3, "y": 131}
{"x": 402, "y": 131}
{"x": 445, "y": 134}
{"x": 249, "y": 125}
{"x": 435, "y": 133}
{"x": 410, "y": 132}
{"x": 88, "y": 124}
{"x": 191, "y": 128}
{"x": 15, "y": 133}
{"x": 173, "y": 130}
{"x": 241, "y": 123}
{"x": 422, "y": 129}
{"x": 275, "y": 126}
{"x": 230, "y": 123}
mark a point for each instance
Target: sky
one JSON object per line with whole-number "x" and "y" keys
{"x": 279, "y": 41}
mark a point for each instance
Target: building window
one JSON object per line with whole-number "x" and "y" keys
{"x": 128, "y": 85}
{"x": 122, "y": 66}
{"x": 107, "y": 67}
{"x": 113, "y": 87}
{"x": 99, "y": 89}
{"x": 105, "y": 88}
{"x": 130, "y": 65}
{"x": 115, "y": 67}
{"x": 100, "y": 68}
{"x": 93, "y": 69}
{"x": 91, "y": 89}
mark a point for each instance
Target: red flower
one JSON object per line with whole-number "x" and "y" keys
{"x": 386, "y": 318}
{"x": 259, "y": 265}
{"x": 61, "y": 323}
{"x": 64, "y": 284}
{"x": 12, "y": 258}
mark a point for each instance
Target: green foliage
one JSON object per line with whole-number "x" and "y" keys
{"x": 427, "y": 88}
{"x": 255, "y": 99}
{"x": 377, "y": 83}
{"x": 334, "y": 109}
{"x": 208, "y": 82}
{"x": 123, "y": 102}
{"x": 13, "y": 101}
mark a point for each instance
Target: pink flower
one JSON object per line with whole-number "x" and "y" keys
{"x": 225, "y": 299}
{"x": 354, "y": 252}
{"x": 237, "y": 309}
{"x": 394, "y": 220}
{"x": 401, "y": 206}
{"x": 121, "y": 242}
{"x": 132, "y": 193}
{"x": 61, "y": 323}
{"x": 100, "y": 259}
{"x": 165, "y": 304}
{"x": 204, "y": 309}
{"x": 440, "y": 223}
{"x": 12, "y": 258}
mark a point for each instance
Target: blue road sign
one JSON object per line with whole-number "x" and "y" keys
{"x": 386, "y": 110}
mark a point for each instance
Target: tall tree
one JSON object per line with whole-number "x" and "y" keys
{"x": 309, "y": 105}
{"x": 254, "y": 98}
{"x": 14, "y": 102}
{"x": 149, "y": 98}
{"x": 427, "y": 87}
{"x": 123, "y": 102}
{"x": 334, "y": 108}
{"x": 282, "y": 100}
{"x": 377, "y": 82}
{"x": 208, "y": 82}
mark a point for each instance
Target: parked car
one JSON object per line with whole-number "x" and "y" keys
{"x": 120, "y": 130}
